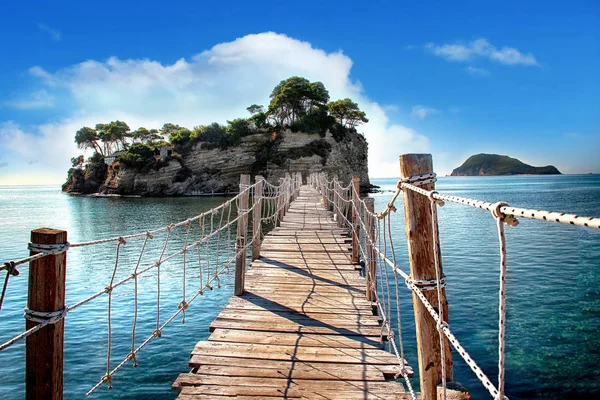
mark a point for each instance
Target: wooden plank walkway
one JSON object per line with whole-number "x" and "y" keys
{"x": 303, "y": 329}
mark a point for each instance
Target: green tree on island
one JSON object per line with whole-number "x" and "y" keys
{"x": 143, "y": 135}
{"x": 87, "y": 138}
{"x": 113, "y": 135}
{"x": 296, "y": 98}
{"x": 347, "y": 113}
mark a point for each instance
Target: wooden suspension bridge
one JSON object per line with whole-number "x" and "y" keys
{"x": 303, "y": 327}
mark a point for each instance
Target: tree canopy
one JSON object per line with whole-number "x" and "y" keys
{"x": 347, "y": 113}
{"x": 146, "y": 136}
{"x": 295, "y": 97}
{"x": 87, "y": 138}
{"x": 255, "y": 109}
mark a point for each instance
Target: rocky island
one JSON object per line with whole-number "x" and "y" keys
{"x": 494, "y": 164}
{"x": 300, "y": 131}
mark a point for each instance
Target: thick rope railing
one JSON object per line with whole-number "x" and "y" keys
{"x": 214, "y": 226}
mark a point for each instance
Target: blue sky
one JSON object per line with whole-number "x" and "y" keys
{"x": 449, "y": 78}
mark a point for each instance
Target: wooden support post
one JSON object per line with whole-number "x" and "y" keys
{"x": 44, "y": 349}
{"x": 288, "y": 191}
{"x": 256, "y": 217}
{"x": 336, "y": 202}
{"x": 324, "y": 190}
{"x": 370, "y": 263}
{"x": 242, "y": 232}
{"x": 281, "y": 201}
{"x": 417, "y": 216}
{"x": 355, "y": 216}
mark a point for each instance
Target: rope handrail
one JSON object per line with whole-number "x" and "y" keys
{"x": 542, "y": 215}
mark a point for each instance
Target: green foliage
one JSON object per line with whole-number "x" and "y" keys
{"x": 143, "y": 135}
{"x": 114, "y": 135}
{"x": 180, "y": 136}
{"x": 295, "y": 97}
{"x": 87, "y": 180}
{"x": 255, "y": 109}
{"x": 315, "y": 121}
{"x": 259, "y": 120}
{"x": 208, "y": 133}
{"x": 338, "y": 131}
{"x": 235, "y": 131}
{"x": 137, "y": 156}
{"x": 87, "y": 138}
{"x": 168, "y": 128}
{"x": 95, "y": 158}
{"x": 347, "y": 113}
{"x": 77, "y": 161}
{"x": 160, "y": 144}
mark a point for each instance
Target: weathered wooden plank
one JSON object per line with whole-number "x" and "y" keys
{"x": 271, "y": 317}
{"x": 299, "y": 276}
{"x": 284, "y": 383}
{"x": 306, "y": 240}
{"x": 287, "y": 339}
{"x": 310, "y": 256}
{"x": 294, "y": 371}
{"x": 290, "y": 353}
{"x": 257, "y": 287}
{"x": 302, "y": 307}
{"x": 319, "y": 299}
{"x": 189, "y": 392}
{"x": 388, "y": 370}
{"x": 328, "y": 329}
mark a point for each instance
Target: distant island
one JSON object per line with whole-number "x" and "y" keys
{"x": 494, "y": 164}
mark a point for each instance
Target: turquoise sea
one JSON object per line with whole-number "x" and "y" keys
{"x": 553, "y": 328}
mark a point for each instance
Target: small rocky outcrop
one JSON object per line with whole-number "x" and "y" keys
{"x": 86, "y": 180}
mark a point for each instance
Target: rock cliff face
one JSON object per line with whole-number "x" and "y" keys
{"x": 493, "y": 164}
{"x": 87, "y": 180}
{"x": 202, "y": 169}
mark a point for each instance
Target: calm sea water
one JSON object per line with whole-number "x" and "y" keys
{"x": 553, "y": 333}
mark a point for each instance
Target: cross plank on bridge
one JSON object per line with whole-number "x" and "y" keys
{"x": 302, "y": 329}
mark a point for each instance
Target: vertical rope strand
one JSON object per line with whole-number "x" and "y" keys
{"x": 438, "y": 277}
{"x": 183, "y": 305}
{"x": 135, "y": 299}
{"x": 109, "y": 289}
{"x": 157, "y": 332}
{"x": 502, "y": 309}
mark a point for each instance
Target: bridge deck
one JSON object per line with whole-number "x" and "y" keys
{"x": 303, "y": 328}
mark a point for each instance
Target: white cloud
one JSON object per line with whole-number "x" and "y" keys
{"x": 420, "y": 112}
{"x": 39, "y": 99}
{"x": 215, "y": 85}
{"x": 54, "y": 34}
{"x": 477, "y": 71}
{"x": 481, "y": 48}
